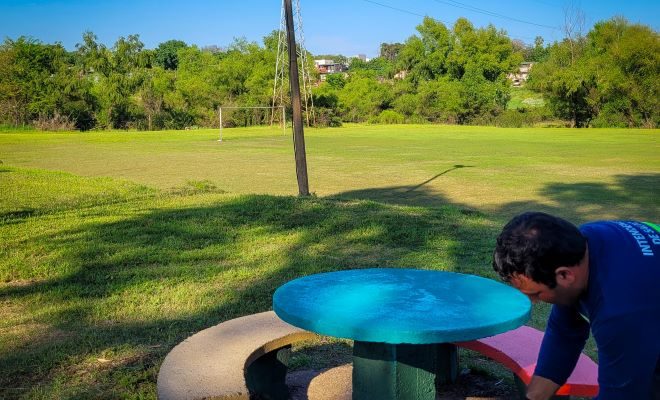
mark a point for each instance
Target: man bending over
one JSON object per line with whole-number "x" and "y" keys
{"x": 604, "y": 276}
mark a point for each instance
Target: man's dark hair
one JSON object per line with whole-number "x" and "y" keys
{"x": 535, "y": 244}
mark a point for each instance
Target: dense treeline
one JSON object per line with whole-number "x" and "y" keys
{"x": 442, "y": 74}
{"x": 611, "y": 77}
{"x": 126, "y": 86}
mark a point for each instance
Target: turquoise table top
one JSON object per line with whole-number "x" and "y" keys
{"x": 396, "y": 306}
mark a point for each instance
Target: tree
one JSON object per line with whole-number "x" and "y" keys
{"x": 377, "y": 67}
{"x": 118, "y": 77}
{"x": 363, "y": 97}
{"x": 390, "y": 51}
{"x": 37, "y": 81}
{"x": 609, "y": 79}
{"x": 166, "y": 54}
{"x": 566, "y": 83}
{"x": 13, "y": 100}
{"x": 151, "y": 96}
{"x": 573, "y": 28}
{"x": 335, "y": 81}
{"x": 538, "y": 53}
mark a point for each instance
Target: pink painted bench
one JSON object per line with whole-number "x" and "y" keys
{"x": 518, "y": 349}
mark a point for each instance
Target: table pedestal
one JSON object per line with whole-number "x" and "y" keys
{"x": 402, "y": 371}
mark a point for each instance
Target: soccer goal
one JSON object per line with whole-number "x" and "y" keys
{"x": 271, "y": 111}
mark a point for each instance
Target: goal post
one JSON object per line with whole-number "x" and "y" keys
{"x": 271, "y": 108}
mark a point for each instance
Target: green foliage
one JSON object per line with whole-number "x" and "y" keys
{"x": 166, "y": 54}
{"x": 129, "y": 87}
{"x": 442, "y": 74}
{"x": 388, "y": 117}
{"x": 36, "y": 83}
{"x": 335, "y": 81}
{"x": 390, "y": 51}
{"x": 538, "y": 53}
{"x": 520, "y": 117}
{"x": 378, "y": 67}
{"x": 455, "y": 75}
{"x": 608, "y": 78}
{"x": 363, "y": 97}
{"x": 326, "y": 101}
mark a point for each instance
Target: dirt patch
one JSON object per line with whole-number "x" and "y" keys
{"x": 329, "y": 384}
{"x": 475, "y": 385}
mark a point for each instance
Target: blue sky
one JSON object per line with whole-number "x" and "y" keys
{"x": 347, "y": 27}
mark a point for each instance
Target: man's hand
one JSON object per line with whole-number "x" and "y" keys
{"x": 541, "y": 388}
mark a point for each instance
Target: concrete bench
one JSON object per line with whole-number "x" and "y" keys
{"x": 231, "y": 360}
{"x": 518, "y": 350}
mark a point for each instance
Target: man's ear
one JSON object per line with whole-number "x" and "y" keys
{"x": 565, "y": 276}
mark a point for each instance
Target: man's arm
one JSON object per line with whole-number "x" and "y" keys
{"x": 562, "y": 345}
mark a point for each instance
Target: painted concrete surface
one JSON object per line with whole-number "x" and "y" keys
{"x": 212, "y": 363}
{"x": 335, "y": 384}
{"x": 518, "y": 351}
{"x": 401, "y": 305}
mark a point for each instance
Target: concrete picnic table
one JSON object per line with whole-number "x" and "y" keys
{"x": 403, "y": 322}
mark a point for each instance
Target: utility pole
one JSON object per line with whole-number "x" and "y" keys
{"x": 298, "y": 134}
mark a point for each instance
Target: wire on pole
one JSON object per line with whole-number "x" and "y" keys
{"x": 279, "y": 86}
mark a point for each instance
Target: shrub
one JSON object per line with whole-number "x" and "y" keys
{"x": 388, "y": 117}
{"x": 326, "y": 117}
{"x": 55, "y": 122}
{"x": 515, "y": 118}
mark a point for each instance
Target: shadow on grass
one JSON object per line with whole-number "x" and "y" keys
{"x": 407, "y": 195}
{"x": 18, "y": 214}
{"x": 139, "y": 286}
{"x": 154, "y": 279}
{"x": 628, "y": 197}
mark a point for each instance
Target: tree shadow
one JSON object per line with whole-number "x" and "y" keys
{"x": 628, "y": 197}
{"x": 455, "y": 167}
{"x": 129, "y": 282}
{"x": 7, "y": 216}
{"x": 418, "y": 195}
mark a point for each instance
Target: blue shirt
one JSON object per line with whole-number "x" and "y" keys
{"x": 621, "y": 307}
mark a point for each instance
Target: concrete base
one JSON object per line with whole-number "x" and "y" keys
{"x": 335, "y": 384}
{"x": 231, "y": 360}
{"x": 401, "y": 372}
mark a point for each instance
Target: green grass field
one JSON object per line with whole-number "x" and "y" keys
{"x": 580, "y": 174}
{"x": 115, "y": 246}
{"x": 522, "y": 97}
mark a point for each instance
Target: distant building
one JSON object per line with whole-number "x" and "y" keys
{"x": 521, "y": 76}
{"x": 325, "y": 67}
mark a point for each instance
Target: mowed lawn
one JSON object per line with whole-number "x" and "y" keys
{"x": 115, "y": 246}
{"x": 581, "y": 174}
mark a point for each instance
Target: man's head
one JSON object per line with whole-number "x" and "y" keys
{"x": 543, "y": 256}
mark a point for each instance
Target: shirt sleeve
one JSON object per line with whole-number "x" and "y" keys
{"x": 562, "y": 344}
{"x": 627, "y": 358}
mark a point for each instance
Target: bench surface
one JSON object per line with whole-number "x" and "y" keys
{"x": 212, "y": 363}
{"x": 518, "y": 350}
